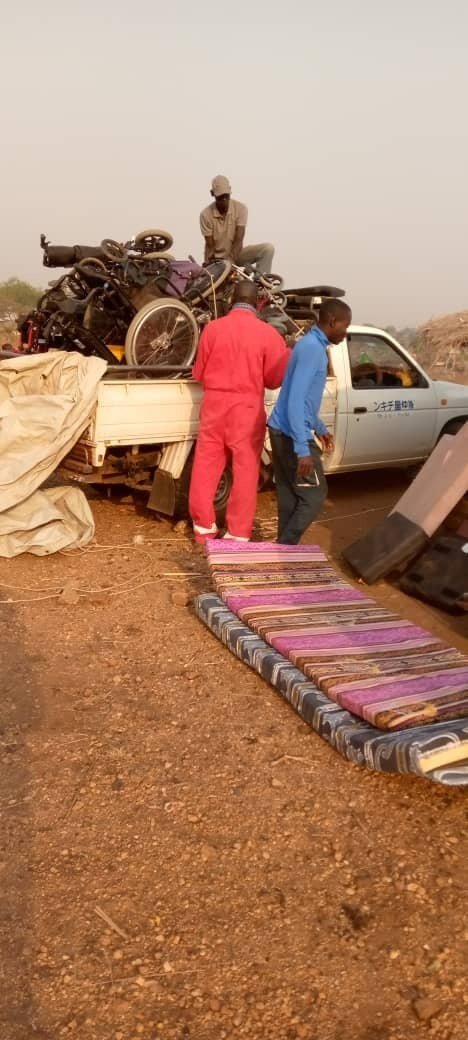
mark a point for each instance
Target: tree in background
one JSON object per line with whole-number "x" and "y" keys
{"x": 17, "y": 297}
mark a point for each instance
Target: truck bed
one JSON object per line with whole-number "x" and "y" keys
{"x": 143, "y": 411}
{"x": 158, "y": 411}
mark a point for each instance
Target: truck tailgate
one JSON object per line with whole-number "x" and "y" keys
{"x": 145, "y": 411}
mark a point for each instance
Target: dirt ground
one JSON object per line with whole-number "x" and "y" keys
{"x": 256, "y": 885}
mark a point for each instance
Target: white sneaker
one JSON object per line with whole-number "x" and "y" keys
{"x": 207, "y": 531}
{"x": 201, "y": 534}
{"x": 233, "y": 538}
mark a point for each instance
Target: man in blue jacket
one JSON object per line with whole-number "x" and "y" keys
{"x": 296, "y": 431}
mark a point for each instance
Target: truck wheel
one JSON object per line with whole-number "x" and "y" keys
{"x": 181, "y": 510}
{"x": 163, "y": 332}
{"x": 453, "y": 427}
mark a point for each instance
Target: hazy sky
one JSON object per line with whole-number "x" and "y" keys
{"x": 341, "y": 125}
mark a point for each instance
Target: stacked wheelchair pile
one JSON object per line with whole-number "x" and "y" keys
{"x": 135, "y": 305}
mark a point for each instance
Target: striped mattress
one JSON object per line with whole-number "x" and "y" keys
{"x": 363, "y": 657}
{"x": 436, "y": 751}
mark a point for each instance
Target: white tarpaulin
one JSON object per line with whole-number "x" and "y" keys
{"x": 49, "y": 520}
{"x": 45, "y": 404}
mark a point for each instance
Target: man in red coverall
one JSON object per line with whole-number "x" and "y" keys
{"x": 238, "y": 357}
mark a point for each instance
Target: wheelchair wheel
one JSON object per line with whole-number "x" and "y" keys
{"x": 163, "y": 332}
{"x": 206, "y": 284}
{"x": 92, "y": 264}
{"x": 270, "y": 281}
{"x": 159, "y": 256}
{"x": 112, "y": 250}
{"x": 153, "y": 240}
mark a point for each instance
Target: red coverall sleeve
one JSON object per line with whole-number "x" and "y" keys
{"x": 203, "y": 351}
{"x": 275, "y": 360}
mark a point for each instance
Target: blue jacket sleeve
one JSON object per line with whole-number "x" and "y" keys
{"x": 305, "y": 370}
{"x": 320, "y": 427}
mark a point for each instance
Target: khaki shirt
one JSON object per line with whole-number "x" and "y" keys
{"x": 222, "y": 229}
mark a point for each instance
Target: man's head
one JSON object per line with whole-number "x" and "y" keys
{"x": 245, "y": 292}
{"x": 334, "y": 318}
{"x": 221, "y": 192}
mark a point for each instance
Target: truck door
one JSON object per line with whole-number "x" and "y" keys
{"x": 328, "y": 410}
{"x": 391, "y": 404}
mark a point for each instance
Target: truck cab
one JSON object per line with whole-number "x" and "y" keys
{"x": 388, "y": 411}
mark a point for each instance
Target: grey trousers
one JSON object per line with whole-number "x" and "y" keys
{"x": 260, "y": 256}
{"x": 297, "y": 505}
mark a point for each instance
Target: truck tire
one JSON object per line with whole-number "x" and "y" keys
{"x": 181, "y": 510}
{"x": 453, "y": 427}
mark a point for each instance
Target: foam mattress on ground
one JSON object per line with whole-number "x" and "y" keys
{"x": 375, "y": 664}
{"x": 438, "y": 752}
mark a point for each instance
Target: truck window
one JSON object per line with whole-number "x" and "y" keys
{"x": 374, "y": 362}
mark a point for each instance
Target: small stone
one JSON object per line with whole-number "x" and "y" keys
{"x": 426, "y": 1008}
{"x": 180, "y": 598}
{"x": 394, "y": 954}
{"x": 207, "y": 852}
{"x": 118, "y": 955}
{"x": 214, "y": 1005}
{"x": 275, "y": 782}
{"x": 167, "y": 967}
{"x": 69, "y": 596}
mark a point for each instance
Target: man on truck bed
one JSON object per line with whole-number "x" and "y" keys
{"x": 238, "y": 357}
{"x": 295, "y": 426}
{"x": 223, "y": 225}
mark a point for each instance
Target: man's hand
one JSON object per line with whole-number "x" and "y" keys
{"x": 209, "y": 249}
{"x": 327, "y": 442}
{"x": 237, "y": 245}
{"x": 305, "y": 466}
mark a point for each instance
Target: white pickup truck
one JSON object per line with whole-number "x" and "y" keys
{"x": 382, "y": 408}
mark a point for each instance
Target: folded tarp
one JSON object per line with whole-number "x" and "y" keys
{"x": 46, "y": 522}
{"x": 439, "y": 752}
{"x": 368, "y": 659}
{"x": 45, "y": 405}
